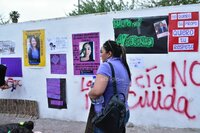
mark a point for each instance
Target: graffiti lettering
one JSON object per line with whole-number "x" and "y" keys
{"x": 168, "y": 102}
{"x": 127, "y": 40}
{"x": 12, "y": 83}
{"x": 83, "y": 89}
{"x": 149, "y": 100}
{"x": 157, "y": 99}
{"x": 175, "y": 70}
{"x": 126, "y": 23}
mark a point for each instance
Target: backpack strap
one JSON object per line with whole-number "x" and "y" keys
{"x": 113, "y": 79}
{"x": 115, "y": 83}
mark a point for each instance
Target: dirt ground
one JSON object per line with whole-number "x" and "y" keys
{"x": 58, "y": 126}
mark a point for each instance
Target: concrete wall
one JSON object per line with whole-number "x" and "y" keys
{"x": 184, "y": 112}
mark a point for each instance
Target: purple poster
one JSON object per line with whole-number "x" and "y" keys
{"x": 14, "y": 66}
{"x": 58, "y": 64}
{"x": 86, "y": 53}
{"x": 56, "y": 93}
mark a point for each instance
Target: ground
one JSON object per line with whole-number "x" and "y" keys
{"x": 58, "y": 126}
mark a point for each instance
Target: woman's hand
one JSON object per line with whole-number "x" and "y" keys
{"x": 99, "y": 86}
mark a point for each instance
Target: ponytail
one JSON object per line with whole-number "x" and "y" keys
{"x": 117, "y": 51}
{"x": 123, "y": 57}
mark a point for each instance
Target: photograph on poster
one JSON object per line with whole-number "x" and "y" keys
{"x": 33, "y": 43}
{"x": 161, "y": 28}
{"x": 86, "y": 51}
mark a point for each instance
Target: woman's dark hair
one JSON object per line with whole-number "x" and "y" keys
{"x": 36, "y": 39}
{"x": 117, "y": 51}
{"x": 83, "y": 50}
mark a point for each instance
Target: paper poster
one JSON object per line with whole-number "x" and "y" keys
{"x": 34, "y": 48}
{"x": 184, "y": 32}
{"x": 14, "y": 66}
{"x": 7, "y": 47}
{"x": 136, "y": 62}
{"x": 56, "y": 93}
{"x": 86, "y": 53}
{"x": 142, "y": 35}
{"x": 58, "y": 64}
{"x": 57, "y": 44}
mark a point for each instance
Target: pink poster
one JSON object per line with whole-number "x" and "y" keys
{"x": 86, "y": 53}
{"x": 183, "y": 32}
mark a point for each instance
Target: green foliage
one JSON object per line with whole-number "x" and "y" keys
{"x": 157, "y": 3}
{"x": 3, "y": 21}
{"x": 98, "y": 6}
{"x": 177, "y": 2}
{"x": 14, "y": 15}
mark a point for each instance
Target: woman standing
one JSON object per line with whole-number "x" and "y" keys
{"x": 116, "y": 55}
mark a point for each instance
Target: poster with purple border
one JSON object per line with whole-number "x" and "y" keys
{"x": 56, "y": 93}
{"x": 14, "y": 66}
{"x": 58, "y": 64}
{"x": 86, "y": 53}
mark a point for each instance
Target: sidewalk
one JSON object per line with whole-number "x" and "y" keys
{"x": 58, "y": 126}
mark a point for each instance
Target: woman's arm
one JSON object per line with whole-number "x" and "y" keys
{"x": 99, "y": 86}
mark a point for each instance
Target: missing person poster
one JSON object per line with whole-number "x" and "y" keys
{"x": 86, "y": 53}
{"x": 142, "y": 35}
{"x": 184, "y": 32}
{"x": 56, "y": 93}
{"x": 34, "y": 48}
{"x": 58, "y": 63}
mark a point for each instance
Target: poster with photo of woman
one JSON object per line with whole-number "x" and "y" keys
{"x": 86, "y": 55}
{"x": 34, "y": 48}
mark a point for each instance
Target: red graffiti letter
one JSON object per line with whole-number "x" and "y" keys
{"x": 175, "y": 70}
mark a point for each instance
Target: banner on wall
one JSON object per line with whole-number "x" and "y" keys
{"x": 56, "y": 93}
{"x": 86, "y": 53}
{"x": 14, "y": 66}
{"x": 58, "y": 64}
{"x": 7, "y": 47}
{"x": 34, "y": 48}
{"x": 142, "y": 35}
{"x": 184, "y": 32}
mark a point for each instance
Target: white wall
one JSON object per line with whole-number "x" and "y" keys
{"x": 34, "y": 80}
